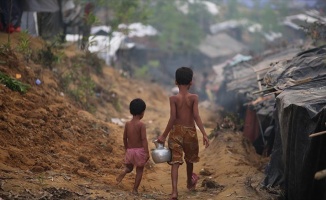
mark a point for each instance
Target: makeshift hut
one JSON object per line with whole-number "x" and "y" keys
{"x": 220, "y": 46}
{"x": 300, "y": 111}
{"x": 242, "y": 93}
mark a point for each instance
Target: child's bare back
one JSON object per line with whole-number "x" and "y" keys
{"x": 184, "y": 105}
{"x": 135, "y": 133}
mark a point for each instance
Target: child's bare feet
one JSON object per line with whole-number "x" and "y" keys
{"x": 120, "y": 177}
{"x": 193, "y": 182}
{"x": 135, "y": 192}
{"x": 174, "y": 197}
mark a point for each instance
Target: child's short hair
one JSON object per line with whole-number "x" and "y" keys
{"x": 137, "y": 106}
{"x": 183, "y": 75}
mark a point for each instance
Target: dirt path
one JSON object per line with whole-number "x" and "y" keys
{"x": 234, "y": 167}
{"x": 51, "y": 149}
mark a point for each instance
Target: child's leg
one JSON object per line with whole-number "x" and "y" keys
{"x": 128, "y": 169}
{"x": 192, "y": 178}
{"x": 174, "y": 178}
{"x": 139, "y": 175}
{"x": 190, "y": 168}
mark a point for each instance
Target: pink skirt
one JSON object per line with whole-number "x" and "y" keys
{"x": 136, "y": 157}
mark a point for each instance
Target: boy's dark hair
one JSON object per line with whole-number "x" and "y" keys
{"x": 183, "y": 75}
{"x": 137, "y": 106}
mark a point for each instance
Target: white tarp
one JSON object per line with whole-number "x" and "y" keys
{"x": 29, "y": 23}
{"x": 211, "y": 7}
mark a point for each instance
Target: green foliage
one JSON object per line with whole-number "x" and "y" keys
{"x": 199, "y": 14}
{"x": 8, "y": 56}
{"x": 24, "y": 45}
{"x": 13, "y": 84}
{"x": 94, "y": 62}
{"x": 41, "y": 179}
{"x": 178, "y": 32}
{"x": 127, "y": 11}
{"x": 79, "y": 86}
{"x": 232, "y": 10}
{"x": 116, "y": 104}
{"x": 120, "y": 12}
{"x": 143, "y": 71}
{"x": 50, "y": 54}
{"x": 5, "y": 48}
{"x": 269, "y": 19}
{"x": 91, "y": 19}
{"x": 46, "y": 56}
{"x": 268, "y": 16}
{"x": 234, "y": 118}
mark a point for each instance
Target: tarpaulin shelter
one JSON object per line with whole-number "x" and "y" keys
{"x": 300, "y": 110}
{"x": 46, "y": 18}
{"x": 18, "y": 13}
{"x": 220, "y": 45}
{"x": 238, "y": 94}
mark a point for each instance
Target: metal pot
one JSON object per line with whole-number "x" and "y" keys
{"x": 160, "y": 154}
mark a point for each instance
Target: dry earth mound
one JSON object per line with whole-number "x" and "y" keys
{"x": 57, "y": 140}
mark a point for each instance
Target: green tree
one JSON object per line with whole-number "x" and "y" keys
{"x": 269, "y": 19}
{"x": 178, "y": 32}
{"x": 125, "y": 11}
{"x": 117, "y": 12}
{"x": 198, "y": 13}
{"x": 232, "y": 9}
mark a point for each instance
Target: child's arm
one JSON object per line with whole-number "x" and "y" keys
{"x": 144, "y": 139}
{"x": 199, "y": 122}
{"x": 125, "y": 140}
{"x": 169, "y": 126}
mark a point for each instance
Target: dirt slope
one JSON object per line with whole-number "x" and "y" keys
{"x": 50, "y": 148}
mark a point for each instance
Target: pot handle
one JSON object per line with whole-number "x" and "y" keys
{"x": 158, "y": 144}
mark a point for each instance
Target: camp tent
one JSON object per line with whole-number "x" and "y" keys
{"x": 52, "y": 14}
{"x": 300, "y": 110}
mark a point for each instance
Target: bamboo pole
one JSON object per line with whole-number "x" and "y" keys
{"x": 259, "y": 82}
{"x": 265, "y": 90}
{"x": 317, "y": 134}
{"x": 320, "y": 174}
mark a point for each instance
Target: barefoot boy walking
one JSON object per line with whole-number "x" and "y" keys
{"x": 135, "y": 143}
{"x": 181, "y": 129}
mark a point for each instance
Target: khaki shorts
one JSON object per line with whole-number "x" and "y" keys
{"x": 181, "y": 140}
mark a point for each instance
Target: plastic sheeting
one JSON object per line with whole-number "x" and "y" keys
{"x": 306, "y": 66}
{"x": 300, "y": 111}
{"x": 29, "y": 23}
{"x": 40, "y": 5}
{"x": 50, "y": 24}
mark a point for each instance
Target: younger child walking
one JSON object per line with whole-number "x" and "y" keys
{"x": 135, "y": 143}
{"x": 181, "y": 129}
